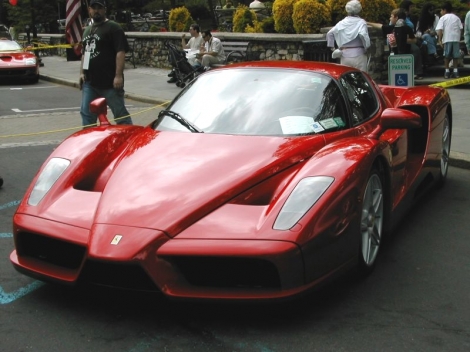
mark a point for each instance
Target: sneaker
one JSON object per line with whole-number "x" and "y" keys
{"x": 447, "y": 75}
{"x": 455, "y": 75}
{"x": 172, "y": 80}
{"x": 171, "y": 74}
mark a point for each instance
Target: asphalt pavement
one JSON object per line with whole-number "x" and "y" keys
{"x": 149, "y": 85}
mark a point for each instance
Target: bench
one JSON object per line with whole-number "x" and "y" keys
{"x": 130, "y": 52}
{"x": 234, "y": 52}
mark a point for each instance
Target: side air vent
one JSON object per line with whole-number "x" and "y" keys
{"x": 228, "y": 272}
{"x": 50, "y": 250}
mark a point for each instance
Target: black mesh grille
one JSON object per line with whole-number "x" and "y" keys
{"x": 16, "y": 73}
{"x": 228, "y": 272}
{"x": 127, "y": 276}
{"x": 53, "y": 251}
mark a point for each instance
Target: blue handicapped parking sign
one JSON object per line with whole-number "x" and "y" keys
{"x": 401, "y": 79}
{"x": 401, "y": 70}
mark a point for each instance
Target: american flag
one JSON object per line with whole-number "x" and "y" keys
{"x": 73, "y": 23}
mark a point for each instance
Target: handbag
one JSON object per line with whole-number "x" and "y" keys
{"x": 336, "y": 54}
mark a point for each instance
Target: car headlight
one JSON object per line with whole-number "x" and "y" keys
{"x": 307, "y": 192}
{"x": 30, "y": 61}
{"x": 49, "y": 175}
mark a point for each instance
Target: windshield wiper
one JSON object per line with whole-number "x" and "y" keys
{"x": 181, "y": 120}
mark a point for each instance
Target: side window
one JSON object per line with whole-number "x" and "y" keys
{"x": 333, "y": 106}
{"x": 360, "y": 95}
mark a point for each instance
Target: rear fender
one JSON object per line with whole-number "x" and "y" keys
{"x": 422, "y": 95}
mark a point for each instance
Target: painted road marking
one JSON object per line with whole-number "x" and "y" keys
{"x": 42, "y": 110}
{"x": 28, "y": 144}
{"x": 8, "y": 205}
{"x": 6, "y": 298}
{"x": 27, "y": 88}
{"x": 55, "y": 109}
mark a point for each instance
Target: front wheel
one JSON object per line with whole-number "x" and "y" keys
{"x": 445, "y": 151}
{"x": 372, "y": 221}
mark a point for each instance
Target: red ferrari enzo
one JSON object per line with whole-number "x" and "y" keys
{"x": 259, "y": 181}
{"x": 17, "y": 63}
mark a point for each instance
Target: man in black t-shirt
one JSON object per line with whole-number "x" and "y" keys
{"x": 102, "y": 68}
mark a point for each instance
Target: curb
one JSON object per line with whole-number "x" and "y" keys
{"x": 456, "y": 159}
{"x": 140, "y": 98}
{"x": 460, "y": 160}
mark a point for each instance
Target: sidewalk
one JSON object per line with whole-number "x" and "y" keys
{"x": 149, "y": 85}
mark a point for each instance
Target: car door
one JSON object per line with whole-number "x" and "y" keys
{"x": 364, "y": 105}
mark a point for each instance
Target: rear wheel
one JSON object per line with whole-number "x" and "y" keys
{"x": 372, "y": 220}
{"x": 445, "y": 150}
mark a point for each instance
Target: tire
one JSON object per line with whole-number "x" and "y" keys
{"x": 445, "y": 151}
{"x": 372, "y": 223}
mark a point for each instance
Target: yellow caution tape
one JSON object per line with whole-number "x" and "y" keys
{"x": 80, "y": 127}
{"x": 452, "y": 82}
{"x": 41, "y": 46}
{"x": 45, "y": 46}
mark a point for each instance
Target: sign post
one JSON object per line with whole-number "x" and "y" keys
{"x": 401, "y": 70}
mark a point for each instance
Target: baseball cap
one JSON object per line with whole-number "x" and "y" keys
{"x": 99, "y": 2}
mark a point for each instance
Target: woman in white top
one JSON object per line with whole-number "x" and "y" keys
{"x": 352, "y": 37}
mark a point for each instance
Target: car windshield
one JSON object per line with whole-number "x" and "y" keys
{"x": 257, "y": 101}
{"x": 6, "y": 45}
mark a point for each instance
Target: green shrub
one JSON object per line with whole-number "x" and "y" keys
{"x": 282, "y": 14}
{"x": 267, "y": 25}
{"x": 377, "y": 10}
{"x": 243, "y": 17}
{"x": 180, "y": 19}
{"x": 309, "y": 16}
{"x": 337, "y": 10}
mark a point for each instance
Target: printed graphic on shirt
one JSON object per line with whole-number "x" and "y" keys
{"x": 91, "y": 44}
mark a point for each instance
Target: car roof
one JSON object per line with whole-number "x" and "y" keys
{"x": 331, "y": 69}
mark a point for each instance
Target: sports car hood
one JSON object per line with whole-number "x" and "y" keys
{"x": 168, "y": 180}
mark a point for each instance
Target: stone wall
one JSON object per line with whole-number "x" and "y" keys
{"x": 150, "y": 49}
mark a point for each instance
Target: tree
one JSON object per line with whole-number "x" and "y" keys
{"x": 39, "y": 12}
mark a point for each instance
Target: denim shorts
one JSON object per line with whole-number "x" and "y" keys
{"x": 452, "y": 50}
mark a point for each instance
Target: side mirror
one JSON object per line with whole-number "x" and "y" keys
{"x": 100, "y": 108}
{"x": 393, "y": 118}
